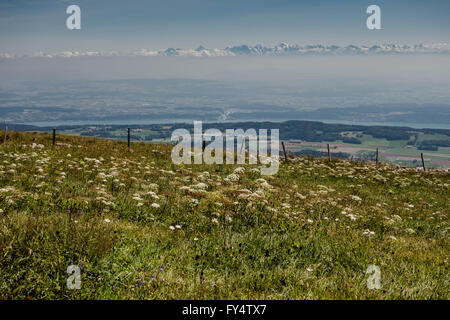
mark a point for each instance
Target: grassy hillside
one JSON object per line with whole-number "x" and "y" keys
{"x": 141, "y": 227}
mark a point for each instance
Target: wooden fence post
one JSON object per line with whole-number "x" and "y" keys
{"x": 54, "y": 136}
{"x": 203, "y": 145}
{"x": 329, "y": 155}
{"x": 284, "y": 151}
{"x": 376, "y": 160}
{"x": 129, "y": 137}
{"x": 423, "y": 162}
{"x": 6, "y": 134}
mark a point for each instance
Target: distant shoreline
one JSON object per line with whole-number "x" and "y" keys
{"x": 135, "y": 122}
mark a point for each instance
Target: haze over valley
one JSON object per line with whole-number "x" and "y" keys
{"x": 394, "y": 90}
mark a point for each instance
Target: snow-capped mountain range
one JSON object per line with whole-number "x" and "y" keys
{"x": 282, "y": 49}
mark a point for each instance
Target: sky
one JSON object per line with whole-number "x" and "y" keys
{"x": 28, "y": 26}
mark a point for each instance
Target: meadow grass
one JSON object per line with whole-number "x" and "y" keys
{"x": 141, "y": 227}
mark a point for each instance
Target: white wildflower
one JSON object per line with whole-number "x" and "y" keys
{"x": 239, "y": 170}
{"x": 233, "y": 177}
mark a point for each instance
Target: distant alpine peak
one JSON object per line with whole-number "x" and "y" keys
{"x": 281, "y": 49}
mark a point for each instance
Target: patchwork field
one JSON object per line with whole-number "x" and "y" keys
{"x": 141, "y": 227}
{"x": 396, "y": 152}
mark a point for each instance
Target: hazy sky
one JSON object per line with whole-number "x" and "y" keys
{"x": 28, "y": 26}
